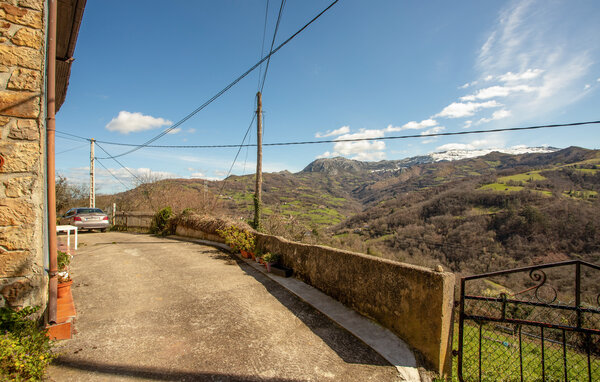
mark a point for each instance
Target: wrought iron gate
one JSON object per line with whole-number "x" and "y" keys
{"x": 539, "y": 323}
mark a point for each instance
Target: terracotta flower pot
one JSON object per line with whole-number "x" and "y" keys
{"x": 63, "y": 288}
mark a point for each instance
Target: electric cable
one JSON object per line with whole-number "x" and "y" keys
{"x": 272, "y": 44}
{"x": 226, "y": 88}
{"x": 236, "y": 155}
{"x": 111, "y": 173}
{"x": 262, "y": 48}
{"x": 71, "y": 149}
{"x": 72, "y": 135}
{"x": 359, "y": 139}
{"x": 68, "y": 139}
{"x": 120, "y": 164}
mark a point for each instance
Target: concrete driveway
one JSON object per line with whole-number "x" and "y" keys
{"x": 153, "y": 308}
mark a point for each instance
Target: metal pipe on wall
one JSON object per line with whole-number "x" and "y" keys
{"x": 50, "y": 151}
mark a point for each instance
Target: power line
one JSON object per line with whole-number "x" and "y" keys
{"x": 72, "y": 135}
{"x": 226, "y": 88}
{"x": 238, "y": 153}
{"x": 68, "y": 139}
{"x": 111, "y": 173}
{"x": 262, "y": 48}
{"x": 358, "y": 139}
{"x": 272, "y": 43}
{"x": 120, "y": 164}
{"x": 72, "y": 149}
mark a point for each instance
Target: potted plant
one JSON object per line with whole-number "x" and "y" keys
{"x": 64, "y": 279}
{"x": 246, "y": 244}
{"x": 270, "y": 259}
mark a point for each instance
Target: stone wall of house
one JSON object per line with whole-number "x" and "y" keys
{"x": 22, "y": 147}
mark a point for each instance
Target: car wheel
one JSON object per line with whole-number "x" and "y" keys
{"x": 102, "y": 229}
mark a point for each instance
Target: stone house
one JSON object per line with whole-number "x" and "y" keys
{"x": 23, "y": 160}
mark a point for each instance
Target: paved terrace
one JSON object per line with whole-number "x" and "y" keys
{"x": 159, "y": 309}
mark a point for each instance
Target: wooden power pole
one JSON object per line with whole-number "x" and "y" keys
{"x": 258, "y": 192}
{"x": 92, "y": 176}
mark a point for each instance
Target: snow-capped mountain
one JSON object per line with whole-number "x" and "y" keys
{"x": 451, "y": 155}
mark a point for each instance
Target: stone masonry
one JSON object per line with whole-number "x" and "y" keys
{"x": 23, "y": 281}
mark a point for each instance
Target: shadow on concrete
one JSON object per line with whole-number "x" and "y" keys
{"x": 156, "y": 373}
{"x": 134, "y": 242}
{"x": 343, "y": 343}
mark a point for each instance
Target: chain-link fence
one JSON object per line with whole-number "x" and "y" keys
{"x": 531, "y": 324}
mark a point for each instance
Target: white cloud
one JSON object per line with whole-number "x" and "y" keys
{"x": 197, "y": 175}
{"x": 460, "y": 109}
{"x": 191, "y": 130}
{"x": 524, "y": 47}
{"x": 497, "y": 91}
{"x": 587, "y": 86}
{"x": 127, "y": 122}
{"x": 468, "y": 84}
{"x": 526, "y": 75}
{"x": 434, "y": 130}
{"x": 361, "y": 150}
{"x": 598, "y": 80}
{"x": 473, "y": 145}
{"x": 498, "y": 114}
{"x": 333, "y": 133}
{"x": 489, "y": 77}
{"x": 468, "y": 124}
{"x": 176, "y": 130}
{"x": 412, "y": 125}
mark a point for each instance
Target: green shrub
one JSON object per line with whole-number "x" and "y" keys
{"x": 237, "y": 239}
{"x": 63, "y": 260}
{"x": 25, "y": 349}
{"x": 160, "y": 220}
{"x": 271, "y": 257}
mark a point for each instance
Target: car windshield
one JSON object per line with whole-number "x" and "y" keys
{"x": 89, "y": 211}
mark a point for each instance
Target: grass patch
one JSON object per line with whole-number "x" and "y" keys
{"x": 581, "y": 194}
{"x": 500, "y": 187}
{"x": 500, "y": 357}
{"x": 525, "y": 177}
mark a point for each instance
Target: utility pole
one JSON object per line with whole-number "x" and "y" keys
{"x": 258, "y": 192}
{"x": 92, "y": 176}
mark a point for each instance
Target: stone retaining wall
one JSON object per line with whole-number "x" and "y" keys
{"x": 413, "y": 302}
{"x": 22, "y": 149}
{"x": 137, "y": 220}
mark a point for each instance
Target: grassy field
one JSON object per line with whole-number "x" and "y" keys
{"x": 501, "y": 187}
{"x": 525, "y": 177}
{"x": 500, "y": 357}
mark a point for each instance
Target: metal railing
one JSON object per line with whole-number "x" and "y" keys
{"x": 539, "y": 323}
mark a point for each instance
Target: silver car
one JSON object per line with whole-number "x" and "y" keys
{"x": 86, "y": 218}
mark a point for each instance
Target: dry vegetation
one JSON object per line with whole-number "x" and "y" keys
{"x": 473, "y": 215}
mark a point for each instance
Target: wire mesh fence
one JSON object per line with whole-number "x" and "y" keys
{"x": 531, "y": 324}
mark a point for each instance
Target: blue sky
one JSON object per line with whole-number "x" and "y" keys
{"x": 364, "y": 69}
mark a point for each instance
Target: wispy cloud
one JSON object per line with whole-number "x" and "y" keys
{"x": 497, "y": 91}
{"x": 127, "y": 122}
{"x": 529, "y": 74}
{"x": 412, "y": 125}
{"x": 435, "y": 130}
{"x": 541, "y": 67}
{"x": 465, "y": 109}
{"x": 498, "y": 114}
{"x": 333, "y": 133}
